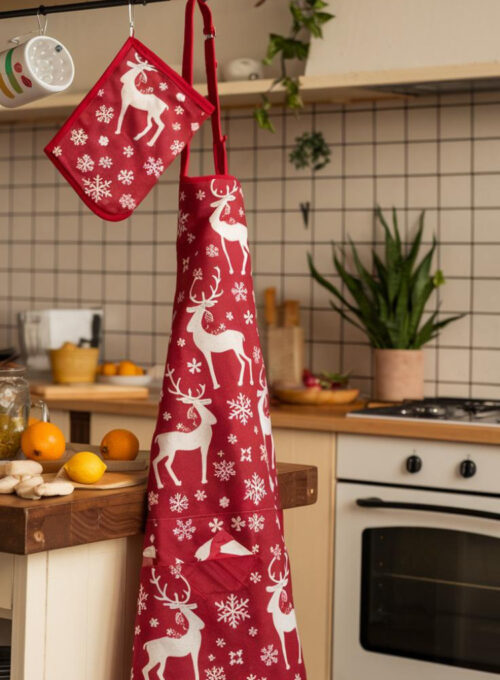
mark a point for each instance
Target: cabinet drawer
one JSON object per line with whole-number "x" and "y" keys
{"x": 6, "y": 580}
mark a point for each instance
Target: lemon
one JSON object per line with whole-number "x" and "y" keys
{"x": 85, "y": 467}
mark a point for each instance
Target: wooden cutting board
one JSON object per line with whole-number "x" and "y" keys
{"x": 109, "y": 480}
{"x": 89, "y": 391}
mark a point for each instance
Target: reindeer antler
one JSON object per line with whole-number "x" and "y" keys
{"x": 228, "y": 192}
{"x": 163, "y": 597}
{"x": 191, "y": 294}
{"x": 213, "y": 290}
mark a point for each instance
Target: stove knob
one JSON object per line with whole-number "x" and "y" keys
{"x": 468, "y": 468}
{"x": 413, "y": 464}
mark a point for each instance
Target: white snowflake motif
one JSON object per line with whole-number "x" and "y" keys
{"x": 127, "y": 201}
{"x": 236, "y": 658}
{"x": 216, "y": 525}
{"x": 141, "y": 600}
{"x": 176, "y": 147}
{"x": 163, "y": 86}
{"x": 232, "y": 439}
{"x": 180, "y": 297}
{"x": 263, "y": 452}
{"x": 241, "y": 212}
{"x": 181, "y": 222}
{"x": 103, "y": 140}
{"x": 167, "y": 416}
{"x": 246, "y": 455}
{"x": 185, "y": 264}
{"x": 200, "y": 495}
{"x": 224, "y": 501}
{"x": 154, "y": 623}
{"x": 248, "y": 316}
{"x": 240, "y": 292}
{"x": 154, "y": 166}
{"x": 240, "y": 409}
{"x": 253, "y": 631}
{"x": 190, "y": 237}
{"x": 179, "y": 110}
{"x": 97, "y": 188}
{"x": 178, "y": 503}
{"x": 194, "y": 366}
{"x": 176, "y": 126}
{"x": 211, "y": 250}
{"x": 255, "y": 489}
{"x": 182, "y": 196}
{"x": 229, "y": 316}
{"x": 137, "y": 630}
{"x": 57, "y": 151}
{"x": 256, "y": 522}
{"x": 200, "y": 194}
{"x": 237, "y": 523}
{"x": 181, "y": 342}
{"x": 105, "y": 114}
{"x": 128, "y": 151}
{"x": 297, "y": 676}
{"x": 215, "y": 673}
{"x": 153, "y": 499}
{"x": 85, "y": 163}
{"x": 100, "y": 93}
{"x": 79, "y": 137}
{"x": 220, "y": 642}
{"x": 220, "y": 453}
{"x": 256, "y": 354}
{"x": 269, "y": 655}
{"x": 224, "y": 470}
{"x": 184, "y": 530}
{"x": 211, "y": 657}
{"x": 233, "y": 610}
{"x": 126, "y": 177}
{"x": 105, "y": 162}
{"x": 276, "y": 551}
{"x": 255, "y": 577}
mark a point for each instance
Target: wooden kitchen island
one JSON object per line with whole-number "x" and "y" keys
{"x": 69, "y": 570}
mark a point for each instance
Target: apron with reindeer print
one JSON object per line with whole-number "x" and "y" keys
{"x": 127, "y": 130}
{"x": 215, "y": 600}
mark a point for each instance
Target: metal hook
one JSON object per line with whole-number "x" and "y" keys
{"x": 41, "y": 12}
{"x": 131, "y": 18}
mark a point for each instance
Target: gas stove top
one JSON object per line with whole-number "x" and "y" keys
{"x": 460, "y": 411}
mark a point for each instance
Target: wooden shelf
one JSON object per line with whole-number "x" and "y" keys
{"x": 345, "y": 88}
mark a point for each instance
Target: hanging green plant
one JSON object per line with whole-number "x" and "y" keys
{"x": 308, "y": 19}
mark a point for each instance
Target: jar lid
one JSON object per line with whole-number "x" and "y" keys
{"x": 12, "y": 371}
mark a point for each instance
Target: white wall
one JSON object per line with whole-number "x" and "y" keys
{"x": 371, "y": 35}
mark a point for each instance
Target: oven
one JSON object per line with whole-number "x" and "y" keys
{"x": 417, "y": 561}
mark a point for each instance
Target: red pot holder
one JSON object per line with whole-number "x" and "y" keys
{"x": 128, "y": 129}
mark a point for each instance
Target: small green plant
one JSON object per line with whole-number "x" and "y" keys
{"x": 389, "y": 304}
{"x": 308, "y": 18}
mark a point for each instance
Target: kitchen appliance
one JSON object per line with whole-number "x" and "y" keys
{"x": 417, "y": 556}
{"x": 44, "y": 329}
{"x": 460, "y": 411}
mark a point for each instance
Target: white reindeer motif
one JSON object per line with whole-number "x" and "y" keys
{"x": 284, "y": 623}
{"x": 227, "y": 231}
{"x": 265, "y": 423}
{"x": 161, "y": 649}
{"x": 132, "y": 96}
{"x": 170, "y": 443}
{"x": 215, "y": 343}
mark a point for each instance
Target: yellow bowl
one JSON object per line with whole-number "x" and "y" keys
{"x": 71, "y": 364}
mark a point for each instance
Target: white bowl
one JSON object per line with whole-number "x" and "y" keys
{"x": 125, "y": 380}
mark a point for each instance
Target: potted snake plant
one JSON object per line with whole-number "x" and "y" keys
{"x": 388, "y": 305}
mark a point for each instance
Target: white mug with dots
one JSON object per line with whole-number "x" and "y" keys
{"x": 34, "y": 69}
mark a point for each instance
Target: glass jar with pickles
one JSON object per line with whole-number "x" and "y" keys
{"x": 14, "y": 409}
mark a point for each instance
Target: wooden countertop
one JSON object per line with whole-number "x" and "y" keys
{"x": 319, "y": 418}
{"x": 87, "y": 516}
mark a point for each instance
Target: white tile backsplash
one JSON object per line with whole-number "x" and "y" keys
{"x": 439, "y": 155}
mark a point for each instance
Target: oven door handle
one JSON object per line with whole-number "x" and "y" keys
{"x": 425, "y": 507}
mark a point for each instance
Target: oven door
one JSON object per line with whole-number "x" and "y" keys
{"x": 417, "y": 582}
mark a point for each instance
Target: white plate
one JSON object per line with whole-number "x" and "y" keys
{"x": 125, "y": 380}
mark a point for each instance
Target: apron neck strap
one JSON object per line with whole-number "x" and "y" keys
{"x": 219, "y": 141}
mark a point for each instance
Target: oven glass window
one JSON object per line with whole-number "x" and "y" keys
{"x": 432, "y": 594}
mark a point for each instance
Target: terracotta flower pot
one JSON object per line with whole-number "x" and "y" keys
{"x": 399, "y": 374}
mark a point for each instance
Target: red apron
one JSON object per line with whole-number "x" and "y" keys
{"x": 215, "y": 600}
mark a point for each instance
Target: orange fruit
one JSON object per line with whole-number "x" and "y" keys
{"x": 119, "y": 445}
{"x": 139, "y": 370}
{"x": 43, "y": 441}
{"x": 32, "y": 420}
{"x": 126, "y": 368}
{"x": 108, "y": 368}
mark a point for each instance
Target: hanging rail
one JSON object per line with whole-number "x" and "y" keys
{"x": 71, "y": 7}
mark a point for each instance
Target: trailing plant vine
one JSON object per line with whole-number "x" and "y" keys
{"x": 308, "y": 19}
